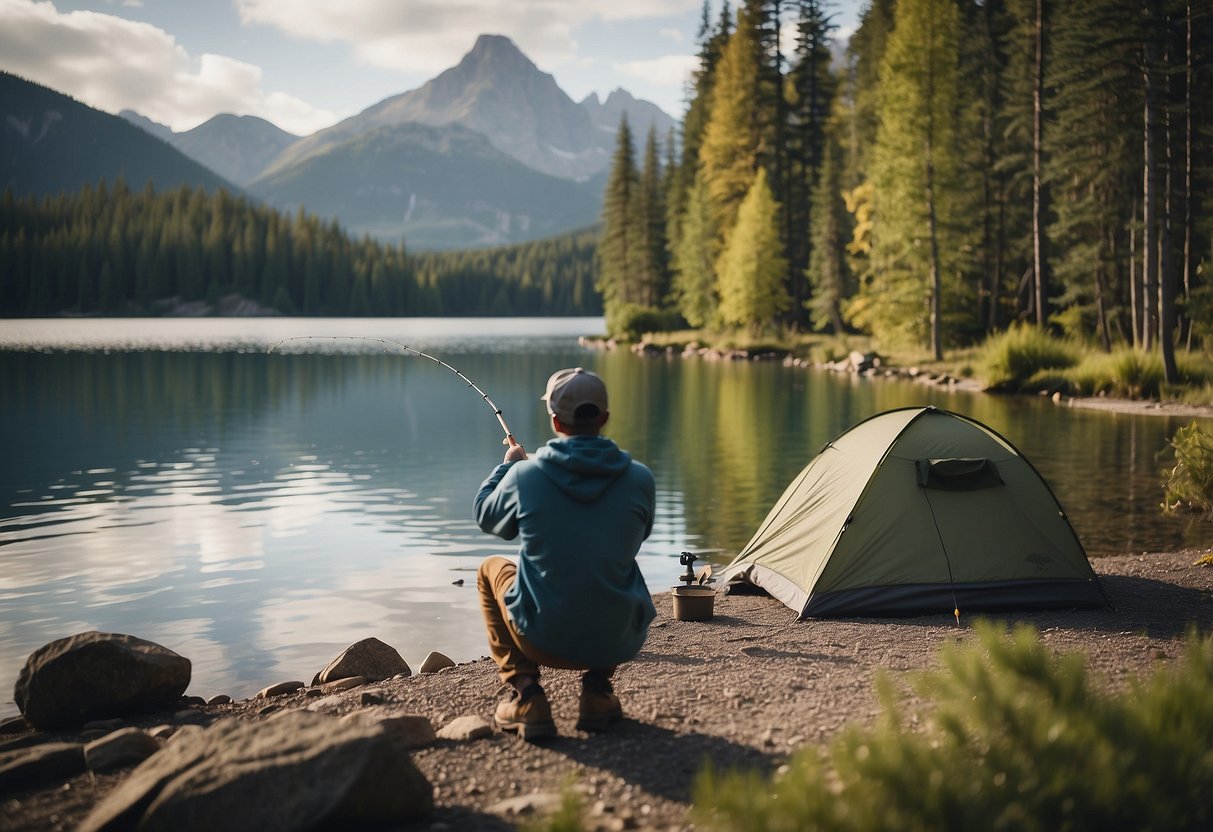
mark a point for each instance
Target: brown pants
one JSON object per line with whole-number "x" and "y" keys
{"x": 515, "y": 656}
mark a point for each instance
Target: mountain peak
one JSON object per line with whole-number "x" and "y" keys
{"x": 497, "y": 53}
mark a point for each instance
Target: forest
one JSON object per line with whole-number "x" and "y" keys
{"x": 115, "y": 251}
{"x": 960, "y": 167}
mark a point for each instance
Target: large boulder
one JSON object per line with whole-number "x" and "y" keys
{"x": 370, "y": 658}
{"x": 95, "y": 676}
{"x": 297, "y": 771}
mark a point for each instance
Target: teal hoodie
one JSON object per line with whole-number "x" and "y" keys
{"x": 582, "y": 508}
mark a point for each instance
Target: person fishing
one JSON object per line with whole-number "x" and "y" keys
{"x": 576, "y": 600}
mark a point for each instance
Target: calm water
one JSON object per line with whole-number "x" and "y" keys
{"x": 259, "y": 512}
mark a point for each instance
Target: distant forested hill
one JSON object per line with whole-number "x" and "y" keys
{"x": 51, "y": 143}
{"x": 113, "y": 250}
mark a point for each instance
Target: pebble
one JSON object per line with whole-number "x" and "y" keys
{"x": 343, "y": 684}
{"x": 465, "y": 728}
{"x": 279, "y": 689}
{"x": 527, "y": 804}
{"x": 103, "y": 725}
{"x": 434, "y": 662}
{"x": 221, "y": 699}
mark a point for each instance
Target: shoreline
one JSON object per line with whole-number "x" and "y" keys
{"x": 870, "y": 365}
{"x": 745, "y": 688}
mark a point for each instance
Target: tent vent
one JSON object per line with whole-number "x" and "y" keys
{"x": 957, "y": 474}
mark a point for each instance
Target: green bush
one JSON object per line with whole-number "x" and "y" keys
{"x": 1189, "y": 485}
{"x": 1010, "y": 358}
{"x": 630, "y": 321}
{"x": 1014, "y": 738}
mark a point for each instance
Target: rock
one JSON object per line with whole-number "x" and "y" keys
{"x": 14, "y": 725}
{"x": 221, "y": 699}
{"x": 371, "y": 697}
{"x": 465, "y": 728}
{"x": 527, "y": 804}
{"x": 121, "y": 749}
{"x": 96, "y": 676}
{"x": 280, "y": 689}
{"x": 410, "y": 730}
{"x": 434, "y": 662}
{"x": 370, "y": 658}
{"x": 193, "y": 700}
{"x": 40, "y": 764}
{"x": 300, "y": 771}
{"x": 105, "y": 725}
{"x": 343, "y": 684}
{"x": 24, "y": 741}
{"x": 163, "y": 732}
{"x": 184, "y": 732}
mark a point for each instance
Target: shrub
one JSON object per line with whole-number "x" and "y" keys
{"x": 630, "y": 321}
{"x": 1015, "y": 738}
{"x": 1011, "y": 358}
{"x": 1189, "y": 485}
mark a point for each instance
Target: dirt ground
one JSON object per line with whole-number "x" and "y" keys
{"x": 744, "y": 689}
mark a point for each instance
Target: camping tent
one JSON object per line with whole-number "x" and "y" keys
{"x": 918, "y": 510}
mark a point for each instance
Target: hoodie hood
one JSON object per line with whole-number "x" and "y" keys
{"x": 582, "y": 466}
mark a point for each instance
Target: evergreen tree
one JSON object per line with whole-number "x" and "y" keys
{"x": 650, "y": 258}
{"x": 919, "y": 236}
{"x": 694, "y": 271}
{"x": 619, "y": 245}
{"x": 828, "y": 272}
{"x": 812, "y": 88}
{"x": 729, "y": 154}
{"x": 752, "y": 265}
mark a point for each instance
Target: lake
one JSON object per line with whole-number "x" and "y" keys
{"x": 259, "y": 512}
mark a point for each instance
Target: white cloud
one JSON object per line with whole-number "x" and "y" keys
{"x": 668, "y": 70}
{"x": 675, "y": 35}
{"x": 431, "y": 35}
{"x": 112, "y": 64}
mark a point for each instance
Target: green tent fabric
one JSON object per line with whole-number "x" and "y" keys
{"x": 914, "y": 511}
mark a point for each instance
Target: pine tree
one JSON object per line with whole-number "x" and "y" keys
{"x": 752, "y": 265}
{"x": 919, "y": 236}
{"x": 618, "y": 247}
{"x": 729, "y": 154}
{"x": 650, "y": 264}
{"x": 812, "y": 88}
{"x": 694, "y": 271}
{"x": 828, "y": 272}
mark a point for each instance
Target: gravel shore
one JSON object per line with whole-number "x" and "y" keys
{"x": 744, "y": 689}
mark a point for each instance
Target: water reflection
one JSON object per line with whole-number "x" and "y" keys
{"x": 259, "y": 512}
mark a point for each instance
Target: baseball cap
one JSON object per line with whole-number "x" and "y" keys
{"x": 570, "y": 389}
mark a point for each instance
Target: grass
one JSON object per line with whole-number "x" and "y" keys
{"x": 1010, "y": 360}
{"x": 1011, "y": 737}
{"x": 1023, "y": 359}
{"x": 1189, "y": 484}
{"x": 1014, "y": 738}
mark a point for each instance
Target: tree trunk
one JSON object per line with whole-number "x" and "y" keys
{"x": 1039, "y": 276}
{"x": 1149, "y": 187}
{"x": 1187, "y": 267}
{"x": 1166, "y": 280}
{"x": 1135, "y": 316}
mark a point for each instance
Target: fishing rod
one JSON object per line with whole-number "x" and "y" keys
{"x": 509, "y": 435}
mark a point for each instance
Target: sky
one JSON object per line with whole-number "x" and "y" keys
{"x": 307, "y": 64}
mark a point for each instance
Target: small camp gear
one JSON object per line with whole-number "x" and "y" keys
{"x": 693, "y": 601}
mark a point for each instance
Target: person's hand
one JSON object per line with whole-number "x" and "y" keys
{"x": 515, "y": 452}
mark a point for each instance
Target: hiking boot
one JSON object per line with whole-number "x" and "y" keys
{"x": 599, "y": 705}
{"x": 526, "y": 714}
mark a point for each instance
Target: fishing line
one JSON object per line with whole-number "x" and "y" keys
{"x": 509, "y": 435}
